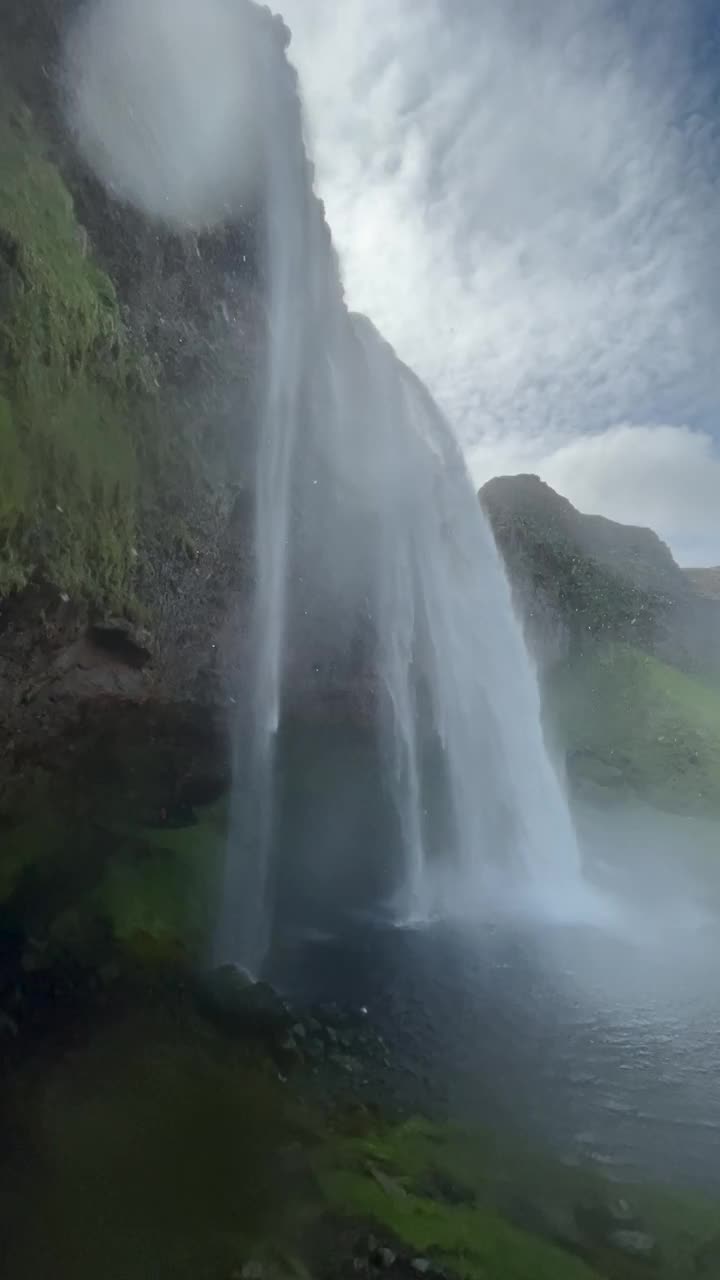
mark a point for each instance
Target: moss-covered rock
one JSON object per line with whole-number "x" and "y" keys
{"x": 69, "y": 386}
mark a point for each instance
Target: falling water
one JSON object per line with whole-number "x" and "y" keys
{"x": 369, "y": 538}
{"x": 367, "y": 523}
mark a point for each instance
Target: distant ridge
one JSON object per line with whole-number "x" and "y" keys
{"x": 706, "y": 581}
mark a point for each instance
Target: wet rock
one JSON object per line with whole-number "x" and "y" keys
{"x": 384, "y": 1257}
{"x": 225, "y": 986}
{"x": 123, "y": 640}
{"x": 638, "y": 1244}
{"x": 230, "y": 995}
{"x": 252, "y": 1271}
{"x": 621, "y": 1211}
{"x": 421, "y": 1266}
{"x": 290, "y": 1047}
{"x": 8, "y": 1027}
{"x": 315, "y": 1050}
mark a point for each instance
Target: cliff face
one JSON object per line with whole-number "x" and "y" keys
{"x": 128, "y": 358}
{"x": 581, "y": 580}
{"x": 629, "y": 646}
{"x": 129, "y": 361}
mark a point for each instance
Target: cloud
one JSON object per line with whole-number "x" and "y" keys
{"x": 524, "y": 198}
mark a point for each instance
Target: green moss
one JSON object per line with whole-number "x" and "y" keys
{"x": 159, "y": 892}
{"x": 71, "y": 388}
{"x": 474, "y": 1243}
{"x": 148, "y": 893}
{"x": 61, "y": 315}
{"x": 437, "y": 1191}
{"x": 157, "y": 1147}
{"x": 490, "y": 1207}
{"x": 627, "y": 716}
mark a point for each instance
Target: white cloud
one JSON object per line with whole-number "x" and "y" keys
{"x": 524, "y": 198}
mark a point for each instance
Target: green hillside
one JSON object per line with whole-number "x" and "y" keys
{"x": 631, "y": 722}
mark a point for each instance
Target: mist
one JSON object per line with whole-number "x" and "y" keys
{"x": 163, "y": 97}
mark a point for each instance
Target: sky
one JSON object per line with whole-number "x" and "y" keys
{"x": 525, "y": 197}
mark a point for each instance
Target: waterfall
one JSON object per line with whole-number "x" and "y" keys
{"x": 367, "y": 522}
{"x": 371, "y": 550}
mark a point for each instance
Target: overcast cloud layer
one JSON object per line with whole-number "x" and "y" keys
{"x": 525, "y": 200}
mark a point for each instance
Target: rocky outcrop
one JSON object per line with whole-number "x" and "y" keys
{"x": 581, "y": 580}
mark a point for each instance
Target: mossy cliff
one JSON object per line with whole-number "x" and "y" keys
{"x": 129, "y": 353}
{"x": 627, "y": 645}
{"x": 127, "y": 359}
{"x": 72, "y": 389}
{"x": 100, "y": 426}
{"x": 127, "y": 400}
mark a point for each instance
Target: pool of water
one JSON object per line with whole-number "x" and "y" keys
{"x": 602, "y": 1041}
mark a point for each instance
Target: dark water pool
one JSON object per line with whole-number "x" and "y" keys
{"x": 606, "y": 1047}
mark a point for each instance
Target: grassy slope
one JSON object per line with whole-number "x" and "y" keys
{"x": 629, "y": 719}
{"x": 487, "y": 1208}
{"x": 160, "y": 1148}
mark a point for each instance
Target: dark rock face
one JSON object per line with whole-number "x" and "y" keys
{"x": 582, "y": 579}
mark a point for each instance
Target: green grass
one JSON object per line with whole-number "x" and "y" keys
{"x": 155, "y": 1146}
{"x": 159, "y": 894}
{"x": 493, "y": 1209}
{"x": 474, "y": 1243}
{"x": 622, "y": 710}
{"x": 148, "y": 892}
